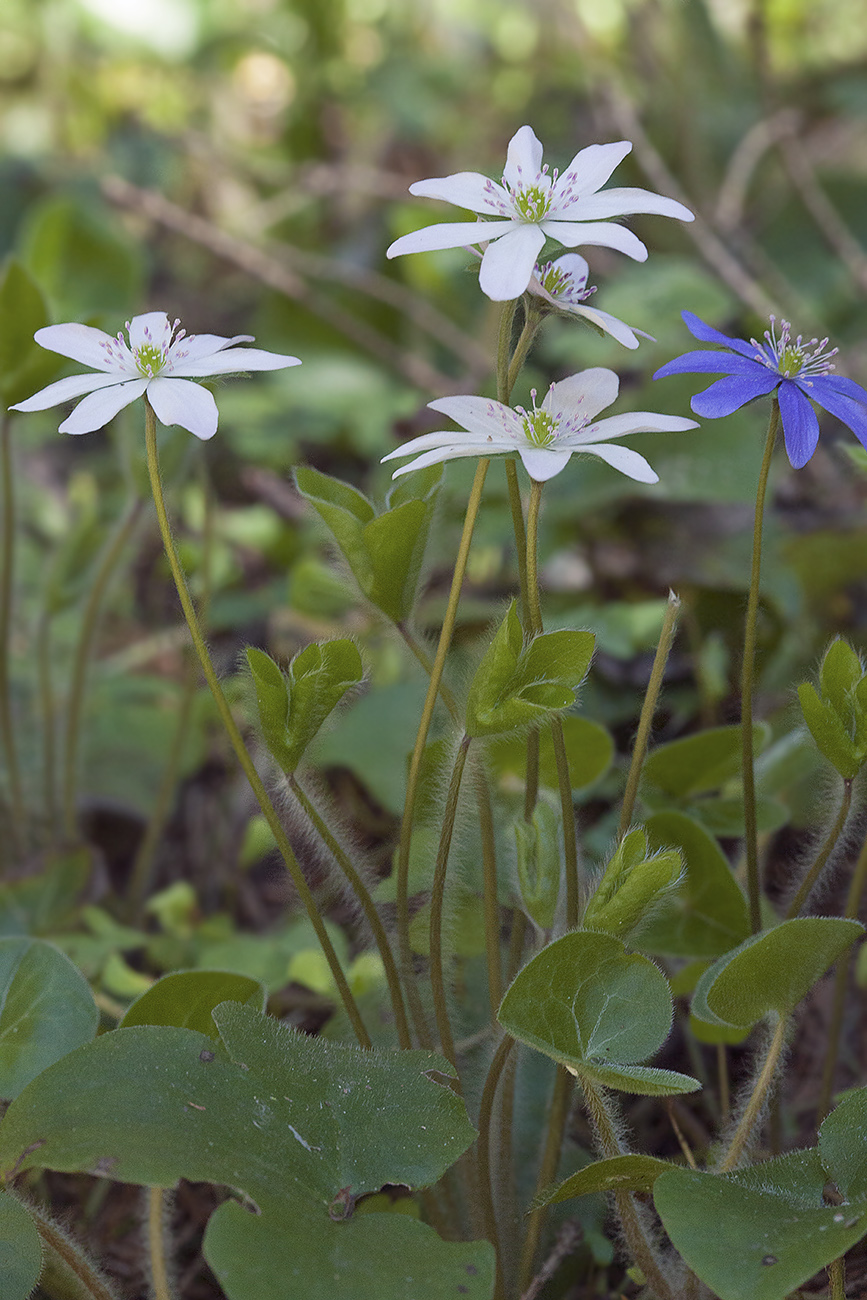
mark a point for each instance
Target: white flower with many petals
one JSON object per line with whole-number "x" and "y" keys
{"x": 532, "y": 205}
{"x": 159, "y": 360}
{"x": 547, "y": 435}
{"x": 563, "y": 284}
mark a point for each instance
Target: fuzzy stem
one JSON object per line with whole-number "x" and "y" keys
{"x": 107, "y": 565}
{"x": 837, "y": 1278}
{"x": 437, "y": 979}
{"x": 47, "y": 706}
{"x": 237, "y": 742}
{"x": 757, "y": 1099}
{"x": 359, "y": 888}
{"x": 642, "y": 1251}
{"x": 648, "y": 708}
{"x": 561, "y": 1100}
{"x": 66, "y": 1270}
{"x": 7, "y": 567}
{"x": 824, "y": 853}
{"x": 483, "y": 1155}
{"x": 841, "y": 979}
{"x": 161, "y": 1287}
{"x": 418, "y": 752}
{"x": 722, "y": 1068}
{"x": 747, "y": 680}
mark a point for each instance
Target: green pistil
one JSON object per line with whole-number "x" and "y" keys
{"x": 792, "y": 361}
{"x": 540, "y": 428}
{"x": 532, "y": 202}
{"x": 149, "y": 360}
{"x": 554, "y": 281}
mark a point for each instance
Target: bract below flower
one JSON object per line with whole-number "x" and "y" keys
{"x": 563, "y": 284}
{"x": 159, "y": 360}
{"x": 546, "y": 436}
{"x": 798, "y": 371}
{"x": 532, "y": 205}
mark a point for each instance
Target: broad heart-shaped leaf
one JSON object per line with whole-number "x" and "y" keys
{"x": 516, "y": 685}
{"x": 772, "y": 971}
{"x": 697, "y": 764}
{"x": 20, "y": 1250}
{"x": 299, "y": 1124}
{"x": 750, "y": 1244}
{"x": 46, "y": 1009}
{"x": 629, "y": 1173}
{"x": 709, "y": 913}
{"x": 187, "y": 999}
{"x": 595, "y": 1008}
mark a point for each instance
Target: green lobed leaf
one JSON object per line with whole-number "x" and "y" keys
{"x": 748, "y": 1244}
{"x": 46, "y": 1010}
{"x": 272, "y": 698}
{"x": 632, "y": 881}
{"x": 187, "y": 999}
{"x": 772, "y": 971}
{"x": 831, "y": 737}
{"x": 840, "y": 673}
{"x": 589, "y": 751}
{"x": 629, "y": 1173}
{"x": 293, "y": 707}
{"x": 20, "y": 1249}
{"x": 842, "y": 1146}
{"x": 700, "y": 763}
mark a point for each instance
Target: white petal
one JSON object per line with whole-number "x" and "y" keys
{"x": 177, "y": 401}
{"x": 590, "y": 169}
{"x": 232, "y": 361}
{"x": 576, "y": 266}
{"x": 465, "y": 190}
{"x": 624, "y": 459}
{"x": 605, "y": 321}
{"x": 584, "y": 394}
{"x": 427, "y": 442}
{"x": 507, "y": 265}
{"x": 152, "y": 328}
{"x": 620, "y": 203}
{"x": 97, "y": 409}
{"x": 193, "y": 346}
{"x": 448, "y": 234}
{"x": 618, "y": 426}
{"x": 64, "y": 389}
{"x": 523, "y": 158}
{"x": 90, "y": 346}
{"x": 481, "y": 415}
{"x": 441, "y": 454}
{"x": 605, "y": 234}
{"x": 542, "y": 463}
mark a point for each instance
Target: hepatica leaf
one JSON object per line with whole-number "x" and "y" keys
{"x": 299, "y": 1124}
{"x": 187, "y": 999}
{"x": 20, "y": 1250}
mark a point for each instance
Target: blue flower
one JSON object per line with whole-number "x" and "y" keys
{"x": 798, "y": 371}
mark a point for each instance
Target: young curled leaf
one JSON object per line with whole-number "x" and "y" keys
{"x": 517, "y": 685}
{"x": 539, "y": 867}
{"x": 633, "y": 882}
{"x": 293, "y": 706}
{"x": 837, "y": 718}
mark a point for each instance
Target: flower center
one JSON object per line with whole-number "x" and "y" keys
{"x": 561, "y": 284}
{"x": 532, "y": 202}
{"x": 540, "y": 427}
{"x": 150, "y": 360}
{"x": 793, "y": 358}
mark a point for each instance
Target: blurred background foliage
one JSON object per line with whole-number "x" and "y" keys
{"x": 243, "y": 165}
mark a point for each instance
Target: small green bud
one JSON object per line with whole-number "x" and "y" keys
{"x": 632, "y": 883}
{"x": 837, "y": 718}
{"x": 538, "y": 845}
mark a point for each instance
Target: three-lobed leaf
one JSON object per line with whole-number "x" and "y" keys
{"x": 293, "y": 706}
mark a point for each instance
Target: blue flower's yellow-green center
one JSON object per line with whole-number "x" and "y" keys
{"x": 149, "y": 360}
{"x": 532, "y": 202}
{"x": 539, "y": 427}
{"x": 791, "y": 361}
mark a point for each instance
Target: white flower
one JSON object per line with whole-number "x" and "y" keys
{"x": 159, "y": 360}
{"x": 563, "y": 284}
{"x": 545, "y": 436}
{"x": 531, "y": 205}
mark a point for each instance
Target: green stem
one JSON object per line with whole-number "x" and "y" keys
{"x": 108, "y": 563}
{"x": 561, "y": 1100}
{"x": 437, "y": 978}
{"x": 359, "y": 888}
{"x": 837, "y": 1278}
{"x": 66, "y": 1270}
{"x": 47, "y": 706}
{"x": 534, "y": 604}
{"x": 7, "y": 568}
{"x": 418, "y": 752}
{"x": 642, "y": 1250}
{"x": 570, "y": 834}
{"x": 237, "y": 742}
{"x": 841, "y": 980}
{"x": 161, "y": 1287}
{"x": 747, "y": 680}
{"x": 483, "y": 1155}
{"x": 754, "y": 1106}
{"x": 648, "y": 708}
{"x": 824, "y": 853}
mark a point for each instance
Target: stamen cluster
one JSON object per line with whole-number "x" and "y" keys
{"x": 794, "y": 359}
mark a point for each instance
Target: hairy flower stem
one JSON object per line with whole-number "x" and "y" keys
{"x": 111, "y": 556}
{"x": 824, "y": 853}
{"x": 359, "y": 888}
{"x": 483, "y": 1156}
{"x": 756, "y": 1103}
{"x": 7, "y": 569}
{"x": 161, "y": 1288}
{"x": 636, "y": 1238}
{"x": 648, "y": 708}
{"x": 841, "y": 980}
{"x": 837, "y": 1278}
{"x": 437, "y": 979}
{"x": 47, "y": 707}
{"x": 66, "y": 1270}
{"x": 558, "y": 1113}
{"x": 237, "y": 742}
{"x": 751, "y": 841}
